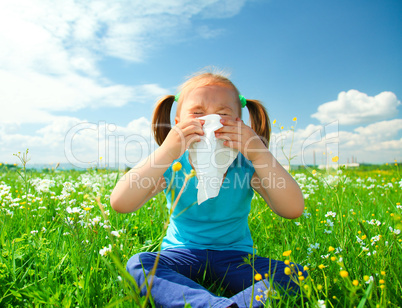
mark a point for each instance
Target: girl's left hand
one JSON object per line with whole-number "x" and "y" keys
{"x": 238, "y": 135}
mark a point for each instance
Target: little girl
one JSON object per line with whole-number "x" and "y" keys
{"x": 211, "y": 238}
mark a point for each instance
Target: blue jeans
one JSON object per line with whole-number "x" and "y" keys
{"x": 174, "y": 282}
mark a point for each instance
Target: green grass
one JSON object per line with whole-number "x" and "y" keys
{"x": 52, "y": 230}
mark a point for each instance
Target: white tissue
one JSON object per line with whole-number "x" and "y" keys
{"x": 210, "y": 159}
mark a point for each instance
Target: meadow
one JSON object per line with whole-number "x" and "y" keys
{"x": 62, "y": 245}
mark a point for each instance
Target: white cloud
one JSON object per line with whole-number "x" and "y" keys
{"x": 50, "y": 50}
{"x": 381, "y": 130}
{"x": 49, "y": 56}
{"x": 81, "y": 143}
{"x": 375, "y": 143}
{"x": 394, "y": 145}
{"x": 354, "y": 107}
{"x": 31, "y": 97}
{"x": 222, "y": 8}
{"x": 377, "y": 139}
{"x": 207, "y": 33}
{"x": 49, "y": 62}
{"x": 65, "y": 30}
{"x": 76, "y": 141}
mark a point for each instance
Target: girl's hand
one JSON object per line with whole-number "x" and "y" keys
{"x": 285, "y": 199}
{"x": 181, "y": 136}
{"x": 238, "y": 135}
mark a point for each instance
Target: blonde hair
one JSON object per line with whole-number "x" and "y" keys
{"x": 161, "y": 124}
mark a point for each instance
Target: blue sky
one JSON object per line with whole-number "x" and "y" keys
{"x": 107, "y": 63}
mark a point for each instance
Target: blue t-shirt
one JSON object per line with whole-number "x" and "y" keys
{"x": 219, "y": 223}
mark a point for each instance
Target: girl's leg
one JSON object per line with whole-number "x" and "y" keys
{"x": 173, "y": 285}
{"x": 239, "y": 276}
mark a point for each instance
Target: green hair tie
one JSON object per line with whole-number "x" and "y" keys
{"x": 176, "y": 97}
{"x": 243, "y": 100}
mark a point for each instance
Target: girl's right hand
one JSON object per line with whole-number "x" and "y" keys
{"x": 181, "y": 136}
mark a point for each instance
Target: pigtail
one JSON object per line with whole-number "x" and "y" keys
{"x": 259, "y": 119}
{"x": 161, "y": 118}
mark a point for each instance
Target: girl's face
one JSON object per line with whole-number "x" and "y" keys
{"x": 213, "y": 99}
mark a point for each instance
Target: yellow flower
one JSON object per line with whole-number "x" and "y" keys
{"x": 305, "y": 268}
{"x": 333, "y": 258}
{"x": 288, "y": 271}
{"x": 274, "y": 121}
{"x": 258, "y": 298}
{"x": 382, "y": 286}
{"x": 294, "y": 119}
{"x": 383, "y": 273}
{"x": 192, "y": 173}
{"x": 319, "y": 287}
{"x": 366, "y": 278}
{"x": 314, "y": 171}
{"x": 287, "y": 262}
{"x": 364, "y": 237}
{"x": 331, "y": 249}
{"x": 281, "y": 127}
{"x": 287, "y": 253}
{"x": 355, "y": 282}
{"x": 344, "y": 274}
{"x": 382, "y": 281}
{"x": 300, "y": 273}
{"x": 301, "y": 278}
{"x": 335, "y": 159}
{"x": 176, "y": 167}
{"x": 321, "y": 266}
{"x": 258, "y": 277}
